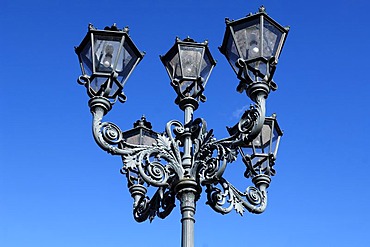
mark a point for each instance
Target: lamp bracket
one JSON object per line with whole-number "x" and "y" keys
{"x": 161, "y": 165}
{"x": 246, "y": 70}
{"x": 223, "y": 200}
{"x": 251, "y": 122}
{"x": 196, "y": 86}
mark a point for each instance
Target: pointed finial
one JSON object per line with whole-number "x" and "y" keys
{"x": 262, "y": 9}
{"x": 91, "y": 27}
{"x": 188, "y": 39}
{"x": 126, "y": 29}
{"x": 112, "y": 28}
{"x": 143, "y": 123}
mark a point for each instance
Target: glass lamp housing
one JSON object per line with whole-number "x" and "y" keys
{"x": 107, "y": 58}
{"x": 256, "y": 41}
{"x": 189, "y": 65}
{"x": 263, "y": 149}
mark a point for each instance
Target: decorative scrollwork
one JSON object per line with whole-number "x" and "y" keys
{"x": 161, "y": 205}
{"x": 253, "y": 195}
{"x": 210, "y": 156}
{"x": 223, "y": 200}
{"x": 83, "y": 80}
{"x": 177, "y": 128}
{"x": 111, "y": 133}
{"x": 250, "y": 124}
{"x": 161, "y": 164}
{"x": 157, "y": 164}
{"x": 247, "y": 120}
{"x": 122, "y": 97}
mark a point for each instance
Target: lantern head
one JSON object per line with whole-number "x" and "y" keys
{"x": 189, "y": 65}
{"x": 252, "y": 45}
{"x": 259, "y": 155}
{"x": 107, "y": 58}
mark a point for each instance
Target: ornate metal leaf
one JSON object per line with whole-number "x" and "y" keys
{"x": 130, "y": 162}
{"x": 164, "y": 142}
{"x": 238, "y": 205}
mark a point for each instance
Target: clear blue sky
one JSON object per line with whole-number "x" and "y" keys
{"x": 57, "y": 188}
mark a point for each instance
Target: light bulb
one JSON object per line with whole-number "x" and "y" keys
{"x": 255, "y": 49}
{"x": 253, "y": 46}
{"x": 189, "y": 68}
{"x": 107, "y": 61}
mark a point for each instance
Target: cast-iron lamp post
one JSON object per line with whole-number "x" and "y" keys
{"x": 186, "y": 156}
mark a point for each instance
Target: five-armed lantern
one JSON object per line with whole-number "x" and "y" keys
{"x": 178, "y": 162}
{"x": 252, "y": 46}
{"x": 107, "y": 58}
{"x": 189, "y": 65}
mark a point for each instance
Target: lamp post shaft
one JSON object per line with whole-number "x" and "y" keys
{"x": 187, "y": 188}
{"x": 187, "y": 193}
{"x": 188, "y": 118}
{"x": 187, "y": 211}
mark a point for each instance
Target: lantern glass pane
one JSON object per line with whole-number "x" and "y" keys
{"x": 126, "y": 62}
{"x": 262, "y": 141}
{"x": 187, "y": 88}
{"x": 255, "y": 67}
{"x": 172, "y": 63}
{"x": 106, "y": 50}
{"x": 206, "y": 66}
{"x": 86, "y": 59}
{"x": 133, "y": 139}
{"x": 115, "y": 88}
{"x": 149, "y": 137}
{"x": 174, "y": 66}
{"x": 141, "y": 136}
{"x": 97, "y": 83}
{"x": 191, "y": 58}
{"x": 247, "y": 36}
{"x": 232, "y": 53}
{"x": 271, "y": 39}
{"x": 274, "y": 141}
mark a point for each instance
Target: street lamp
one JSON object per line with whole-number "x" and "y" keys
{"x": 189, "y": 65}
{"x": 107, "y": 58}
{"x": 187, "y": 156}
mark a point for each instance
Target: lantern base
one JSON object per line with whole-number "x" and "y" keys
{"x": 100, "y": 102}
{"x": 257, "y": 88}
{"x": 188, "y": 101}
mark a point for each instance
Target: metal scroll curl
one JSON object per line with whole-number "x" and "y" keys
{"x": 250, "y": 124}
{"x": 156, "y": 165}
{"x": 227, "y": 198}
{"x": 210, "y": 156}
{"x": 161, "y": 205}
{"x": 111, "y": 133}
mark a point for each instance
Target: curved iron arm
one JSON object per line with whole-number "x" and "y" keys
{"x": 142, "y": 163}
{"x": 143, "y": 159}
{"x": 107, "y": 135}
{"x": 224, "y": 200}
{"x": 251, "y": 122}
{"x": 211, "y": 158}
